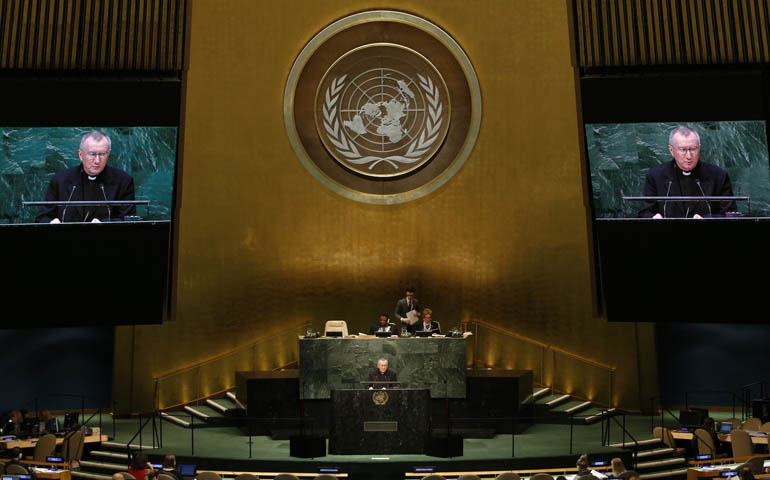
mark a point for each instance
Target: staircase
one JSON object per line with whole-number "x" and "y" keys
{"x": 112, "y": 457}
{"x": 215, "y": 413}
{"x": 655, "y": 460}
{"x": 560, "y": 408}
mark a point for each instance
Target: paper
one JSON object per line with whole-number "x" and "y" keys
{"x": 412, "y": 317}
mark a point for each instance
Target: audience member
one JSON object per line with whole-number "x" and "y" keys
{"x": 617, "y": 467}
{"x": 140, "y": 466}
{"x": 169, "y": 467}
{"x": 744, "y": 473}
{"x": 582, "y": 465}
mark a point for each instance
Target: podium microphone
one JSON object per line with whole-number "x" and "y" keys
{"x": 64, "y": 212}
{"x": 666, "y": 202}
{"x": 109, "y": 214}
{"x": 697, "y": 181}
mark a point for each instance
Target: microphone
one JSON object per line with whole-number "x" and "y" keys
{"x": 666, "y": 202}
{"x": 697, "y": 181}
{"x": 64, "y": 212}
{"x": 109, "y": 214}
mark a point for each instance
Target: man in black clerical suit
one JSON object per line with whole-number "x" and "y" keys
{"x": 406, "y": 305}
{"x": 382, "y": 374}
{"x": 92, "y": 180}
{"x": 383, "y": 325}
{"x": 427, "y": 324}
{"x": 686, "y": 176}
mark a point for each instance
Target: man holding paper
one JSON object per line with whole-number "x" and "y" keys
{"x": 408, "y": 309}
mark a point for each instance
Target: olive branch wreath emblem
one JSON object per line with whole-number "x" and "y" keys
{"x": 416, "y": 149}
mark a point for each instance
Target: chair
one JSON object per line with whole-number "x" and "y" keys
{"x": 72, "y": 446}
{"x": 325, "y": 476}
{"x": 336, "y": 326}
{"x": 285, "y": 476}
{"x": 2, "y": 468}
{"x": 665, "y": 436}
{"x": 736, "y": 422}
{"x": 542, "y": 476}
{"x": 584, "y": 477}
{"x": 433, "y": 476}
{"x": 753, "y": 424}
{"x": 706, "y": 444}
{"x": 243, "y": 476}
{"x": 127, "y": 476}
{"x": 14, "y": 469}
{"x": 44, "y": 447}
{"x": 756, "y": 464}
{"x": 508, "y": 476}
{"x": 765, "y": 427}
{"x": 208, "y": 476}
{"x": 166, "y": 476}
{"x": 742, "y": 446}
{"x": 468, "y": 476}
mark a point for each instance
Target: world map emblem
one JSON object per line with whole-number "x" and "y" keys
{"x": 382, "y": 110}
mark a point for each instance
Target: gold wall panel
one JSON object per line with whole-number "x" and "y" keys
{"x": 262, "y": 244}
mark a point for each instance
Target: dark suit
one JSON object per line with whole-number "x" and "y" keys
{"x": 389, "y": 327}
{"x": 118, "y": 185}
{"x": 420, "y": 327}
{"x": 667, "y": 180}
{"x": 388, "y": 376}
{"x": 402, "y": 308}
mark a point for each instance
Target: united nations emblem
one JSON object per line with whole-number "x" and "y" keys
{"x": 382, "y": 110}
{"x": 380, "y": 397}
{"x": 382, "y": 107}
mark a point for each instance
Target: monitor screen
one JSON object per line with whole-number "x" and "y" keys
{"x": 187, "y": 470}
{"x": 48, "y": 164}
{"x": 629, "y": 160}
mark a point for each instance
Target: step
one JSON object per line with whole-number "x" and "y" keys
{"x": 225, "y": 406}
{"x": 600, "y": 415}
{"x": 540, "y": 393}
{"x": 557, "y": 401}
{"x": 111, "y": 455}
{"x": 669, "y": 462}
{"x": 231, "y": 396}
{"x": 118, "y": 467}
{"x": 89, "y": 475}
{"x": 655, "y": 452}
{"x": 122, "y": 446}
{"x": 573, "y": 407}
{"x": 641, "y": 443}
{"x": 666, "y": 474}
{"x": 174, "y": 419}
{"x": 203, "y": 412}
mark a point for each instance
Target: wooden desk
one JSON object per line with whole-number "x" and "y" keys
{"x": 54, "y": 475}
{"x": 30, "y": 443}
{"x": 680, "y": 435}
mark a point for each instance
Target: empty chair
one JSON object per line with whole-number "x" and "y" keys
{"x": 208, "y": 476}
{"x": 736, "y": 422}
{"x": 14, "y": 469}
{"x": 336, "y": 326}
{"x": 72, "y": 446}
{"x": 508, "y": 476}
{"x": 765, "y": 427}
{"x": 285, "y": 476}
{"x": 753, "y": 424}
{"x": 742, "y": 446}
{"x": 44, "y": 447}
{"x": 243, "y": 476}
{"x": 469, "y": 476}
{"x": 542, "y": 476}
{"x": 665, "y": 436}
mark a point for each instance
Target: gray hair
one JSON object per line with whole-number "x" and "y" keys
{"x": 382, "y": 359}
{"x": 96, "y": 136}
{"x": 683, "y": 131}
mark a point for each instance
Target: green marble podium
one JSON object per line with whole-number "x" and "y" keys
{"x": 437, "y": 364}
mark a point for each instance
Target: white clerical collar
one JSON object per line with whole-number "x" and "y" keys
{"x": 91, "y": 178}
{"x": 686, "y": 174}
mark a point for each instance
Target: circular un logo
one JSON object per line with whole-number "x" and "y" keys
{"x": 382, "y": 110}
{"x": 380, "y": 397}
{"x": 382, "y": 107}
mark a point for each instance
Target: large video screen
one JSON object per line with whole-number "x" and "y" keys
{"x": 636, "y": 159}
{"x": 48, "y": 164}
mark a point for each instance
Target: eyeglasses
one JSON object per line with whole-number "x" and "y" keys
{"x": 684, "y": 151}
{"x": 93, "y": 155}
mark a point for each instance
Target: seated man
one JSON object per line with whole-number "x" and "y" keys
{"x": 382, "y": 374}
{"x": 92, "y": 180}
{"x": 383, "y": 325}
{"x": 427, "y": 324}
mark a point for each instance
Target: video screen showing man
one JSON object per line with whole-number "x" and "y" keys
{"x": 382, "y": 374}
{"x": 686, "y": 175}
{"x": 92, "y": 180}
{"x": 383, "y": 326}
